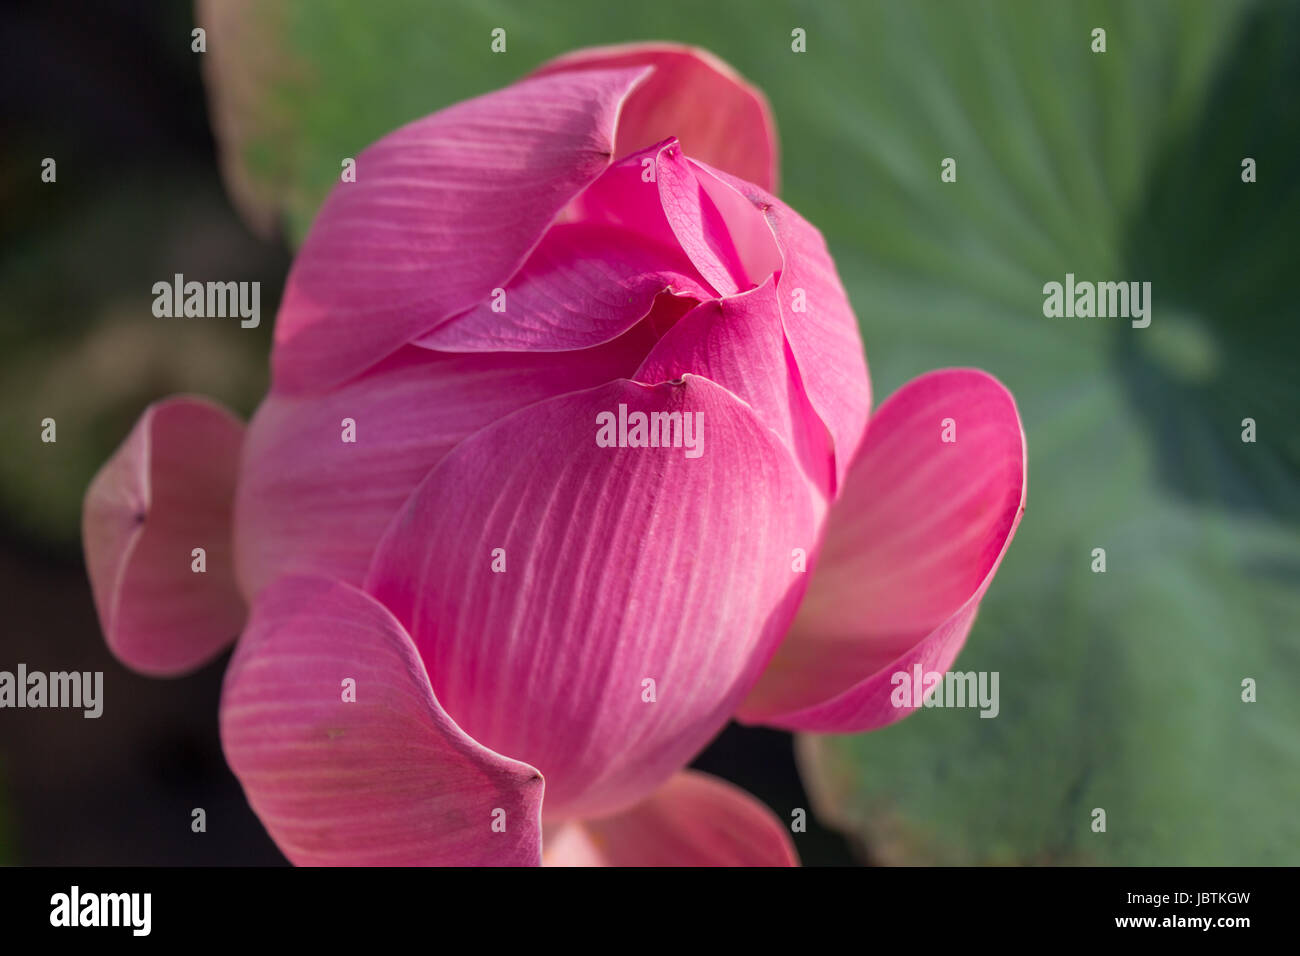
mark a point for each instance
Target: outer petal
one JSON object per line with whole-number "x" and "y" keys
{"x": 443, "y": 210}
{"x": 385, "y": 779}
{"x": 738, "y": 342}
{"x": 585, "y": 284}
{"x": 166, "y": 491}
{"x": 910, "y": 549}
{"x": 309, "y": 502}
{"x": 819, "y": 322}
{"x": 694, "y": 819}
{"x": 622, "y": 566}
{"x": 693, "y": 96}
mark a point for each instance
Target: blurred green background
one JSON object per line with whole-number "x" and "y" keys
{"x": 1119, "y": 690}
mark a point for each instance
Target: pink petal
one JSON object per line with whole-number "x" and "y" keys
{"x": 753, "y": 253}
{"x": 824, "y": 337}
{"x": 693, "y": 96}
{"x": 585, "y": 284}
{"x": 385, "y": 779}
{"x": 165, "y": 492}
{"x": 665, "y": 198}
{"x": 692, "y": 820}
{"x": 627, "y": 195}
{"x": 696, "y": 222}
{"x": 739, "y": 343}
{"x": 622, "y": 565}
{"x": 911, "y": 546}
{"x": 443, "y": 210}
{"x": 308, "y": 502}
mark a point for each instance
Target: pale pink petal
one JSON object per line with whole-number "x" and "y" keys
{"x": 623, "y": 565}
{"x": 443, "y": 211}
{"x": 585, "y": 284}
{"x": 694, "y": 819}
{"x": 385, "y": 778}
{"x": 693, "y": 96}
{"x": 738, "y": 342}
{"x": 167, "y": 491}
{"x": 910, "y": 548}
{"x": 753, "y": 251}
{"x": 819, "y": 322}
{"x": 309, "y": 502}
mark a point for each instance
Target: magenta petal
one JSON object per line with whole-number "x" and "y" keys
{"x": 167, "y": 491}
{"x": 739, "y": 343}
{"x": 622, "y": 566}
{"x": 693, "y": 96}
{"x": 694, "y": 819}
{"x": 910, "y": 548}
{"x": 819, "y": 322}
{"x": 386, "y": 778}
{"x": 661, "y": 195}
{"x": 309, "y": 502}
{"x": 627, "y": 196}
{"x": 697, "y": 223}
{"x": 725, "y": 237}
{"x": 585, "y": 284}
{"x": 442, "y": 211}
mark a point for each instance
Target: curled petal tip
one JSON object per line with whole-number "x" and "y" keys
{"x": 330, "y": 723}
{"x": 930, "y": 506}
{"x": 156, "y": 529}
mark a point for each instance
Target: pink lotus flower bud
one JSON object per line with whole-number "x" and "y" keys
{"x": 565, "y": 463}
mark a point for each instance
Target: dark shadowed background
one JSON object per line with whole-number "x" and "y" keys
{"x": 1120, "y": 691}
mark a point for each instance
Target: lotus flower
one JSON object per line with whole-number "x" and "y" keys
{"x": 474, "y": 633}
